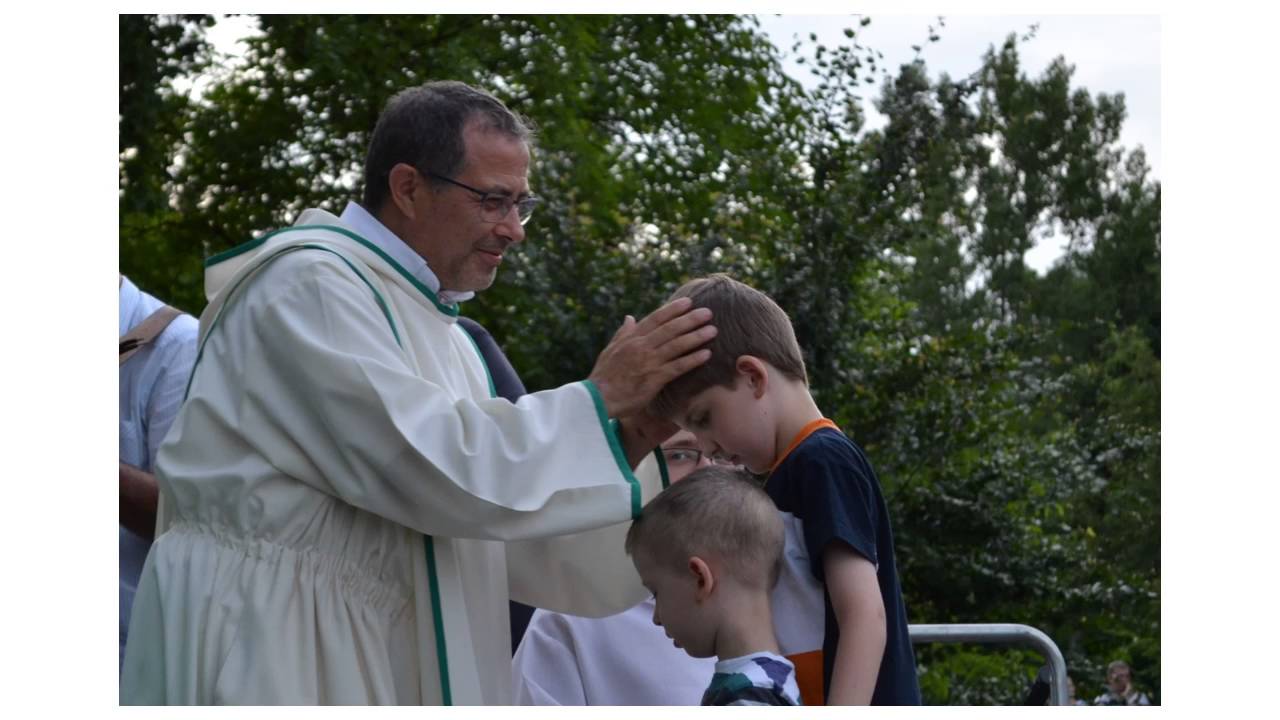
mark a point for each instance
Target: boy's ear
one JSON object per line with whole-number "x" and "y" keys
{"x": 705, "y": 579}
{"x": 754, "y": 373}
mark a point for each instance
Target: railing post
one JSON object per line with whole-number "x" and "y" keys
{"x": 1002, "y": 634}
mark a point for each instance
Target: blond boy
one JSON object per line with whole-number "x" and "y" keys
{"x": 616, "y": 660}
{"x": 709, "y": 548}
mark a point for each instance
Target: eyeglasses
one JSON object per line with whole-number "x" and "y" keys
{"x": 495, "y": 206}
{"x": 689, "y": 457}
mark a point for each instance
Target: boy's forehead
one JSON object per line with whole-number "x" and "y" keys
{"x": 650, "y": 564}
{"x": 693, "y": 402}
{"x": 643, "y": 560}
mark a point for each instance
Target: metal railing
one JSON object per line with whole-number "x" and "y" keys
{"x": 1002, "y": 634}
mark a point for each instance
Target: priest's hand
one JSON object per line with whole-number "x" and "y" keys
{"x": 644, "y": 356}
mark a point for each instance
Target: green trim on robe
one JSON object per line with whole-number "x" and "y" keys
{"x": 434, "y": 581}
{"x": 442, "y": 652}
{"x": 450, "y": 309}
{"x": 615, "y": 443}
{"x": 214, "y": 324}
{"x": 662, "y": 467}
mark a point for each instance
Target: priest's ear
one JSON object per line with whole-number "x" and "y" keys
{"x": 404, "y": 185}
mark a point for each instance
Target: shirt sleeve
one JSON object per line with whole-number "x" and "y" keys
{"x": 175, "y": 353}
{"x": 836, "y": 503}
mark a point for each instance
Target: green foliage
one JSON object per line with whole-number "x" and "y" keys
{"x": 155, "y": 51}
{"x": 963, "y": 675}
{"x": 1013, "y": 417}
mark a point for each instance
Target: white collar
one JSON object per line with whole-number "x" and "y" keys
{"x": 371, "y": 229}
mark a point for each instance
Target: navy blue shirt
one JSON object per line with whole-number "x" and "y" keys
{"x": 828, "y": 484}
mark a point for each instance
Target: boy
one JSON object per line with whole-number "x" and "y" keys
{"x": 616, "y": 660}
{"x": 709, "y": 549}
{"x": 751, "y": 403}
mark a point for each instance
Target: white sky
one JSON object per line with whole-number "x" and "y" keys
{"x": 1111, "y": 54}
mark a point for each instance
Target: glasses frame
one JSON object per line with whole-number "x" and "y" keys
{"x": 524, "y": 206}
{"x": 697, "y": 456}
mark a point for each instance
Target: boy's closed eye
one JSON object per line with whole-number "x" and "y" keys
{"x": 698, "y": 421}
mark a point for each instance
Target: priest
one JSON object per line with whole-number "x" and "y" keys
{"x": 346, "y": 507}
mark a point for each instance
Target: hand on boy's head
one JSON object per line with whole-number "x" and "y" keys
{"x": 644, "y": 356}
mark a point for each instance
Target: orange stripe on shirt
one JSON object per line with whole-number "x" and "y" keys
{"x": 809, "y": 676}
{"x": 805, "y": 432}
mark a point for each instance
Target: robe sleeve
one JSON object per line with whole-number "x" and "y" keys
{"x": 587, "y": 573}
{"x": 321, "y": 385}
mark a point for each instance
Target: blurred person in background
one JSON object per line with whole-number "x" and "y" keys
{"x": 1120, "y": 689}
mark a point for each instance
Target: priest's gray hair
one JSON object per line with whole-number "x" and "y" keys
{"x": 422, "y": 126}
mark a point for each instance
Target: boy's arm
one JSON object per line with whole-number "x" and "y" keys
{"x": 859, "y": 609}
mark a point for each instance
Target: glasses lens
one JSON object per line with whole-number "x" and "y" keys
{"x": 494, "y": 208}
{"x": 525, "y": 208}
{"x": 681, "y": 456}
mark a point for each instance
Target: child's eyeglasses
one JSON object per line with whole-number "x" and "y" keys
{"x": 689, "y": 457}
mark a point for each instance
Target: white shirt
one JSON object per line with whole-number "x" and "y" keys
{"x": 622, "y": 659}
{"x": 152, "y": 383}
{"x": 375, "y": 232}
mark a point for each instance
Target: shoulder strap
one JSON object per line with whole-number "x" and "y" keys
{"x": 144, "y": 332}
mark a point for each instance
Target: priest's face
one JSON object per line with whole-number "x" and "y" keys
{"x": 461, "y": 246}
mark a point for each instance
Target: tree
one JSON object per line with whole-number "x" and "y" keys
{"x": 1013, "y": 418}
{"x": 154, "y": 52}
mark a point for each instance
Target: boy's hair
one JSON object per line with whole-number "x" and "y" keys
{"x": 715, "y": 512}
{"x": 749, "y": 322}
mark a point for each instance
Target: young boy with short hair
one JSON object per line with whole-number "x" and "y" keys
{"x": 709, "y": 548}
{"x": 750, "y": 402}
